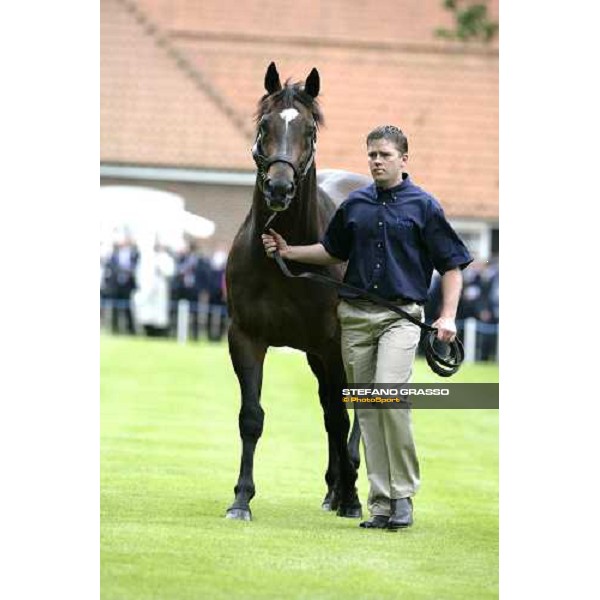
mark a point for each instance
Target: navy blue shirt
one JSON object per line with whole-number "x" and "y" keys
{"x": 393, "y": 240}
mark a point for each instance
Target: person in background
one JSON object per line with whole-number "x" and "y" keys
{"x": 217, "y": 314}
{"x": 191, "y": 282}
{"x": 489, "y": 310}
{"x": 151, "y": 300}
{"x": 120, "y": 282}
{"x": 470, "y": 300}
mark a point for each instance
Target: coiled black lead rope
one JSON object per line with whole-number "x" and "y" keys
{"x": 444, "y": 359}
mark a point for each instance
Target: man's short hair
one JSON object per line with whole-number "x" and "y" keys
{"x": 392, "y": 134}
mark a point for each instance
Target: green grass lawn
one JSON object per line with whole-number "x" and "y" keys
{"x": 170, "y": 456}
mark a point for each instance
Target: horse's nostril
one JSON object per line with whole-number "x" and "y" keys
{"x": 280, "y": 188}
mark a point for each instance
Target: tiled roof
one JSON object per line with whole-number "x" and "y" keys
{"x": 381, "y": 21}
{"x": 374, "y": 69}
{"x": 152, "y": 111}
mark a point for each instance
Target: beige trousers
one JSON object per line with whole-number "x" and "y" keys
{"x": 379, "y": 346}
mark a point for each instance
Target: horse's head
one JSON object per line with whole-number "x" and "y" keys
{"x": 288, "y": 117}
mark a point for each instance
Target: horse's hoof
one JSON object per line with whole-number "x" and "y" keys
{"x": 239, "y": 514}
{"x": 351, "y": 512}
{"x": 330, "y": 502}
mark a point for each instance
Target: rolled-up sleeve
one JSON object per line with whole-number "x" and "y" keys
{"x": 338, "y": 238}
{"x": 446, "y": 250}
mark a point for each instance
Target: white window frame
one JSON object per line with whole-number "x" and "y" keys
{"x": 483, "y": 229}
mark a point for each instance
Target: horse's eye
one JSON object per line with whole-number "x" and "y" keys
{"x": 263, "y": 128}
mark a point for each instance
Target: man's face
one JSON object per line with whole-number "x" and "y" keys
{"x": 386, "y": 163}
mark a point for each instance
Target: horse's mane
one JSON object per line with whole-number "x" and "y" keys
{"x": 289, "y": 93}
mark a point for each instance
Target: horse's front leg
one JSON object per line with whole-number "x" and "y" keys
{"x": 247, "y": 357}
{"x": 332, "y": 474}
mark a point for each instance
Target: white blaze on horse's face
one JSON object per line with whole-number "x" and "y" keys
{"x": 288, "y": 115}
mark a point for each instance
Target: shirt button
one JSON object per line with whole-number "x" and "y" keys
{"x": 377, "y": 265}
{"x": 380, "y": 245}
{"x": 375, "y": 287}
{"x": 384, "y": 203}
{"x": 380, "y": 223}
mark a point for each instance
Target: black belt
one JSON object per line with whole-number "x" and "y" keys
{"x": 396, "y": 301}
{"x": 405, "y": 301}
{"x": 444, "y": 362}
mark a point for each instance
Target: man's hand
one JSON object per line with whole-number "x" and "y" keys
{"x": 446, "y": 329}
{"x": 274, "y": 243}
{"x": 313, "y": 254}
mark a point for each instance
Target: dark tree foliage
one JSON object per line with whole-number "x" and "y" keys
{"x": 471, "y": 22}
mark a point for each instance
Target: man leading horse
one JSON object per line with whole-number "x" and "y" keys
{"x": 392, "y": 234}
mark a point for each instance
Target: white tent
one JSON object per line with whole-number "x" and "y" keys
{"x": 145, "y": 215}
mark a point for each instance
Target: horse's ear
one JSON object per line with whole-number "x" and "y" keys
{"x": 313, "y": 83}
{"x": 272, "y": 83}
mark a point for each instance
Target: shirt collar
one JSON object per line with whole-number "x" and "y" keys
{"x": 380, "y": 192}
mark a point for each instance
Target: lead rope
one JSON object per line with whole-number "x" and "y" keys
{"x": 444, "y": 365}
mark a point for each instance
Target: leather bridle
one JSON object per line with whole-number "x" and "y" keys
{"x": 264, "y": 163}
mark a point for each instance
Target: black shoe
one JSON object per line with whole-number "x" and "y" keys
{"x": 375, "y": 522}
{"x": 401, "y": 513}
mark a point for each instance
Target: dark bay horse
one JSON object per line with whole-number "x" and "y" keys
{"x": 268, "y": 309}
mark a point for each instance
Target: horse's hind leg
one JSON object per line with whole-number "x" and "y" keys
{"x": 337, "y": 424}
{"x": 330, "y": 502}
{"x": 247, "y": 356}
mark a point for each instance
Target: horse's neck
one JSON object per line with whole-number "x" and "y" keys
{"x": 300, "y": 223}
